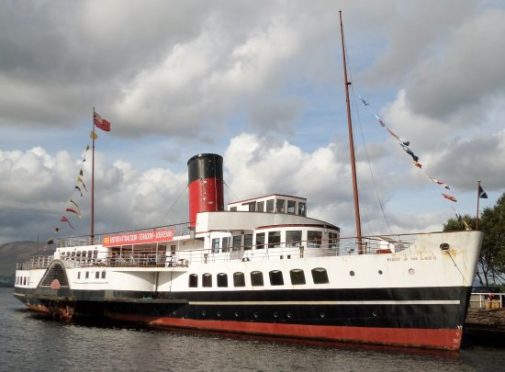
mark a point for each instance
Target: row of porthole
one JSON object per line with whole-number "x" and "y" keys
{"x": 411, "y": 272}
{"x": 256, "y": 315}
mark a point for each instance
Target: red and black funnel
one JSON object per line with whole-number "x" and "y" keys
{"x": 205, "y": 183}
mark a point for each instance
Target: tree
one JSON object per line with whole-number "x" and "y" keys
{"x": 491, "y": 268}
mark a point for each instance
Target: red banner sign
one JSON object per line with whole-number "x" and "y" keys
{"x": 163, "y": 234}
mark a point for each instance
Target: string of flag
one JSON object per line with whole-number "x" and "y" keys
{"x": 405, "y": 145}
{"x": 72, "y": 208}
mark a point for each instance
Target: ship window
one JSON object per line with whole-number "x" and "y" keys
{"x": 226, "y": 244}
{"x": 270, "y": 205}
{"x": 333, "y": 240}
{"x": 222, "y": 280}
{"x": 193, "y": 280}
{"x": 237, "y": 242}
{"x": 260, "y": 240}
{"x": 97, "y": 274}
{"x": 297, "y": 276}
{"x": 78, "y": 275}
{"x": 293, "y": 238}
{"x": 314, "y": 239}
{"x": 274, "y": 239}
{"x": 233, "y": 209}
{"x": 260, "y": 206}
{"x": 95, "y": 253}
{"x": 256, "y": 278}
{"x": 252, "y": 206}
{"x": 248, "y": 239}
{"x": 319, "y": 276}
{"x": 215, "y": 245}
{"x": 103, "y": 274}
{"x": 206, "y": 280}
{"x": 291, "y": 206}
{"x": 239, "y": 279}
{"x": 301, "y": 209}
{"x": 276, "y": 277}
{"x": 87, "y": 274}
{"x": 90, "y": 254}
{"x": 281, "y": 204}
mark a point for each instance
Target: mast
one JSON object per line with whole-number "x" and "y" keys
{"x": 357, "y": 218}
{"x": 93, "y": 136}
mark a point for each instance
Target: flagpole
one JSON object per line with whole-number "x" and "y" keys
{"x": 478, "y": 202}
{"x": 92, "y": 234}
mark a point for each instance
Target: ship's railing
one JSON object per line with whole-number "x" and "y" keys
{"x": 36, "y": 262}
{"x": 487, "y": 301}
{"x": 181, "y": 229}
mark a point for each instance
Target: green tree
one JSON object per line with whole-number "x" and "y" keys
{"x": 491, "y": 269}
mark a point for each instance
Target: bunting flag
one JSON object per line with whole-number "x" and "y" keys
{"x": 81, "y": 173}
{"x": 56, "y": 230}
{"x": 79, "y": 179}
{"x": 65, "y": 219}
{"x": 50, "y": 241}
{"x": 100, "y": 122}
{"x": 482, "y": 193}
{"x": 75, "y": 205}
{"x": 72, "y": 210}
{"x": 450, "y": 197}
{"x": 93, "y": 135}
{"x": 87, "y": 148}
{"x": 79, "y": 189}
{"x": 405, "y": 145}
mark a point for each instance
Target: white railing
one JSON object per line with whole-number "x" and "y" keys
{"x": 487, "y": 301}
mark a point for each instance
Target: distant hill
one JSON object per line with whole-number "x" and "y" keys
{"x": 11, "y": 253}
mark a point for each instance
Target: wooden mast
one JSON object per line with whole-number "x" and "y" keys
{"x": 357, "y": 218}
{"x": 93, "y": 136}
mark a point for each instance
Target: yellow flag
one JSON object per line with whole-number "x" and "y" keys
{"x": 93, "y": 135}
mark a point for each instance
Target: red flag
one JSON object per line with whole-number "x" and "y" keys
{"x": 450, "y": 197}
{"x": 65, "y": 219}
{"x": 101, "y": 123}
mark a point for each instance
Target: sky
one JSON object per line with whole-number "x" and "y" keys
{"x": 261, "y": 84}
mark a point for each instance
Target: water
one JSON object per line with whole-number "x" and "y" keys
{"x": 29, "y": 342}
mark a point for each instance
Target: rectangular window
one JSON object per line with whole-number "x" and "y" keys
{"x": 270, "y": 206}
{"x": 274, "y": 239}
{"x": 97, "y": 274}
{"x": 237, "y": 242}
{"x": 226, "y": 244}
{"x": 281, "y": 204}
{"x": 260, "y": 206}
{"x": 256, "y": 278}
{"x": 103, "y": 274}
{"x": 293, "y": 238}
{"x": 215, "y": 245}
{"x": 301, "y": 209}
{"x": 252, "y": 207}
{"x": 291, "y": 206}
{"x": 193, "y": 280}
{"x": 233, "y": 209}
{"x": 314, "y": 239}
{"x": 333, "y": 240}
{"x": 222, "y": 280}
{"x": 239, "y": 279}
{"x": 260, "y": 240}
{"x": 206, "y": 280}
{"x": 248, "y": 241}
{"x": 79, "y": 275}
{"x": 87, "y": 274}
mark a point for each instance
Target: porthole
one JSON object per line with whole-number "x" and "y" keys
{"x": 255, "y": 315}
{"x": 237, "y": 314}
{"x": 412, "y": 271}
{"x": 204, "y": 313}
{"x": 322, "y": 315}
{"x": 276, "y": 315}
{"x": 289, "y": 315}
{"x": 380, "y": 272}
{"x": 219, "y": 314}
{"x": 351, "y": 273}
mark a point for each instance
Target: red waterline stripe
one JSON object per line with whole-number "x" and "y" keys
{"x": 445, "y": 339}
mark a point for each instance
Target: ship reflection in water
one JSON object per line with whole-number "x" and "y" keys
{"x": 107, "y": 346}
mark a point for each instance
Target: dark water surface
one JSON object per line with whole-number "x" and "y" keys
{"x": 32, "y": 343}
